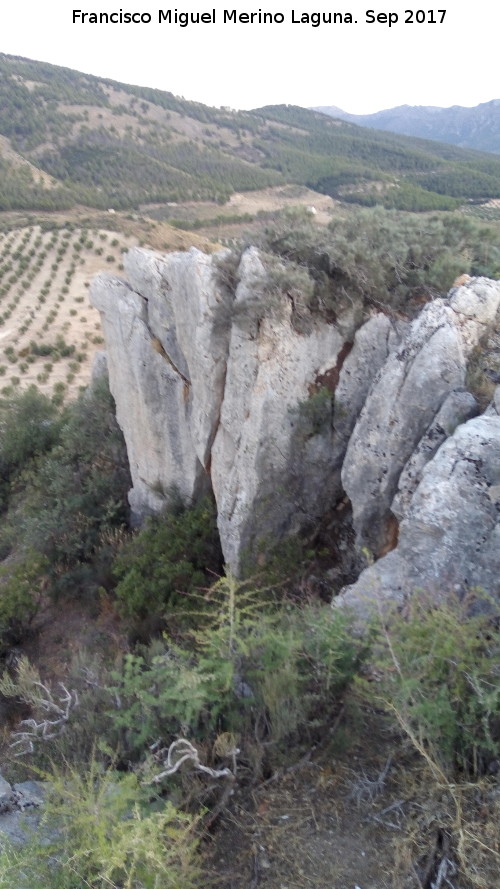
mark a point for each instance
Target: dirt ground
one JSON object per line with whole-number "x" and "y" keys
{"x": 272, "y": 199}
{"x": 303, "y": 830}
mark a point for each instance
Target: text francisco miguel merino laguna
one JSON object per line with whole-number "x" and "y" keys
{"x": 227, "y": 16}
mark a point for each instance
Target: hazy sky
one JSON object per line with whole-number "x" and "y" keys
{"x": 361, "y": 67}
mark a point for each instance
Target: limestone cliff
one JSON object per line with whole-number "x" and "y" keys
{"x": 210, "y": 398}
{"x": 414, "y": 457}
{"x": 449, "y": 540}
{"x": 280, "y": 423}
{"x": 419, "y": 380}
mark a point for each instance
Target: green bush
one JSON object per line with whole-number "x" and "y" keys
{"x": 439, "y": 679}
{"x": 100, "y": 830}
{"x": 21, "y": 589}
{"x": 72, "y": 497}
{"x": 168, "y": 558}
{"x": 242, "y": 663}
{"x": 29, "y": 427}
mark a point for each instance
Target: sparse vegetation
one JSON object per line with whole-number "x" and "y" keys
{"x": 439, "y": 681}
{"x": 373, "y": 257}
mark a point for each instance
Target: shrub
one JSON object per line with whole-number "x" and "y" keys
{"x": 440, "y": 680}
{"x": 377, "y": 256}
{"x": 77, "y": 492}
{"x": 29, "y": 427}
{"x": 99, "y": 829}
{"x": 21, "y": 589}
{"x": 168, "y": 558}
{"x": 240, "y": 662}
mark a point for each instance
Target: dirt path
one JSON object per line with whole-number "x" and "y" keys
{"x": 309, "y": 828}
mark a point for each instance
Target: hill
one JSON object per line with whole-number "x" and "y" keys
{"x": 477, "y": 127}
{"x": 69, "y": 138}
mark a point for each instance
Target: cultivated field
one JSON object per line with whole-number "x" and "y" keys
{"x": 48, "y": 330}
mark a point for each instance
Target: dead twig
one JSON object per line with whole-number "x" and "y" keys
{"x": 365, "y": 789}
{"x": 398, "y": 804}
{"x": 181, "y": 751}
{"x": 48, "y": 728}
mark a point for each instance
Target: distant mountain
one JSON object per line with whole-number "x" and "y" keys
{"x": 68, "y": 138}
{"x": 477, "y": 127}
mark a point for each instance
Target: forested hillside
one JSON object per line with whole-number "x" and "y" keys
{"x": 70, "y": 138}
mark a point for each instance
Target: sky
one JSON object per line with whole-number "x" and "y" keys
{"x": 378, "y": 61}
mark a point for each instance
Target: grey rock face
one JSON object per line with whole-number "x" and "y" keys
{"x": 29, "y": 794}
{"x": 271, "y": 465}
{"x": 20, "y": 811}
{"x": 281, "y": 424}
{"x": 208, "y": 394}
{"x": 166, "y": 362}
{"x": 449, "y": 540}
{"x": 406, "y": 398}
{"x": 457, "y": 407}
{"x": 373, "y": 342}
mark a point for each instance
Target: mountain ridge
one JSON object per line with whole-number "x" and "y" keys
{"x": 467, "y": 127}
{"x": 110, "y": 145}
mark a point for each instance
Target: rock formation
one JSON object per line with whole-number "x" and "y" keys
{"x": 166, "y": 361}
{"x": 412, "y": 457}
{"x": 449, "y": 539}
{"x": 20, "y": 806}
{"x": 411, "y": 388}
{"x": 210, "y": 395}
{"x": 216, "y": 392}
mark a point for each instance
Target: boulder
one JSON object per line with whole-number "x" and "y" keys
{"x": 20, "y": 817}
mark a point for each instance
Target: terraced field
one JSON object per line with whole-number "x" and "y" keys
{"x": 49, "y": 332}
